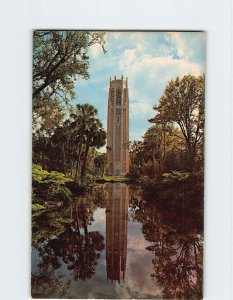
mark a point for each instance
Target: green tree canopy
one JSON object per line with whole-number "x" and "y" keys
{"x": 183, "y": 103}
{"x": 59, "y": 58}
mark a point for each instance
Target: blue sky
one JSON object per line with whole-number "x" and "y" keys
{"x": 149, "y": 60}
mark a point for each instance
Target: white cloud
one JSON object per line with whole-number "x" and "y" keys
{"x": 156, "y": 66}
{"x": 149, "y": 60}
{"x": 136, "y": 134}
{"x": 179, "y": 41}
{"x": 96, "y": 50}
{"x": 114, "y": 34}
{"x": 149, "y": 75}
{"x": 190, "y": 46}
{"x": 140, "y": 108}
{"x": 129, "y": 56}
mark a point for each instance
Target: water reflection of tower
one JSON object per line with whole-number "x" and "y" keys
{"x": 116, "y": 230}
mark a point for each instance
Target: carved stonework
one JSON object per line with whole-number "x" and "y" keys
{"x": 118, "y": 97}
{"x": 125, "y": 96}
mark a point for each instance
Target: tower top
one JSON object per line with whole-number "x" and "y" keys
{"x": 121, "y": 79}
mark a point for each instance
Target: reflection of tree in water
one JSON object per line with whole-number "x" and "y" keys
{"x": 75, "y": 246}
{"x": 178, "y": 267}
{"x": 46, "y": 282}
{"x": 175, "y": 230}
{"x": 79, "y": 252}
{"x": 136, "y": 204}
{"x": 100, "y": 195}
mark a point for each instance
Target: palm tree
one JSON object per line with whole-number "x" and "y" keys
{"x": 89, "y": 133}
{"x": 95, "y": 137}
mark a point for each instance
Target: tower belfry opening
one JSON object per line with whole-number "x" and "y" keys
{"x": 118, "y": 127}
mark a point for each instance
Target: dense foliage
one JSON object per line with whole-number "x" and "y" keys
{"x": 65, "y": 137}
{"x": 59, "y": 59}
{"x": 48, "y": 186}
{"x": 182, "y": 103}
{"x": 71, "y": 149}
{"x": 176, "y": 140}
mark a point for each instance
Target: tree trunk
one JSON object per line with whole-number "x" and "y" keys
{"x": 191, "y": 156}
{"x": 164, "y": 141}
{"x": 77, "y": 172}
{"x": 85, "y": 227}
{"x": 85, "y": 160}
{"x": 154, "y": 162}
{"x": 64, "y": 158}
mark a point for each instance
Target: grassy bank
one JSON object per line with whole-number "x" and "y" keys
{"x": 113, "y": 179}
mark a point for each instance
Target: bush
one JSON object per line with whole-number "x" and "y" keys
{"x": 49, "y": 185}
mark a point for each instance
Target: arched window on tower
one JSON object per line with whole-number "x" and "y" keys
{"x": 124, "y": 96}
{"x": 118, "y": 97}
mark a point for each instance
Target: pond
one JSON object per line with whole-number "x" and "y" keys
{"x": 118, "y": 241}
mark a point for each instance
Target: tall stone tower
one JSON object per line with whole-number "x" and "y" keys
{"x": 118, "y": 127}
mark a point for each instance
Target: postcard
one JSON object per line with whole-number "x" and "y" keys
{"x": 118, "y": 164}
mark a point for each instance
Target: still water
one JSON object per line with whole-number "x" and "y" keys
{"x": 114, "y": 242}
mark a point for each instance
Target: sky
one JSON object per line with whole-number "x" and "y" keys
{"x": 149, "y": 60}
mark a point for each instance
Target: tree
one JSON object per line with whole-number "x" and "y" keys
{"x": 71, "y": 148}
{"x": 46, "y": 283}
{"x": 152, "y": 142}
{"x": 183, "y": 103}
{"x": 95, "y": 138}
{"x": 59, "y": 58}
{"x": 100, "y": 164}
{"x": 136, "y": 155}
{"x": 49, "y": 185}
{"x": 161, "y": 150}
{"x": 89, "y": 133}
